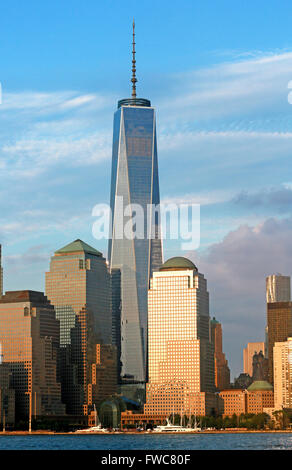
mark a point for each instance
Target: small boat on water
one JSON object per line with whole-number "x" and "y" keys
{"x": 92, "y": 429}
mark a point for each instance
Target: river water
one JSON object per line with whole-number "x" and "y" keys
{"x": 149, "y": 442}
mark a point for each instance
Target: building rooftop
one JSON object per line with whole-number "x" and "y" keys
{"x": 24, "y": 296}
{"x": 260, "y": 386}
{"x": 77, "y": 246}
{"x": 178, "y": 263}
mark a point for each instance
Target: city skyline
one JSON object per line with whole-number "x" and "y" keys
{"x": 247, "y": 129}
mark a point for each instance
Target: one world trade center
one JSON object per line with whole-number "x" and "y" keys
{"x": 135, "y": 251}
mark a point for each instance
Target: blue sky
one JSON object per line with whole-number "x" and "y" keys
{"x": 217, "y": 73}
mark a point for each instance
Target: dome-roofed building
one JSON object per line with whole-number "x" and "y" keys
{"x": 178, "y": 263}
{"x": 260, "y": 386}
{"x": 178, "y": 306}
{"x": 259, "y": 395}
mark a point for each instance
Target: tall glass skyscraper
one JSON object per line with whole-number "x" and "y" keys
{"x": 134, "y": 181}
{"x": 78, "y": 285}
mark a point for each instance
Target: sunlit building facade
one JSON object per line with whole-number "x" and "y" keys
{"x": 78, "y": 285}
{"x": 180, "y": 353}
{"x": 248, "y": 353}
{"x": 283, "y": 374}
{"x": 222, "y": 371}
{"x": 29, "y": 338}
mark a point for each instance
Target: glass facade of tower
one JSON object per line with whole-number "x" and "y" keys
{"x": 29, "y": 338}
{"x": 78, "y": 285}
{"x": 134, "y": 181}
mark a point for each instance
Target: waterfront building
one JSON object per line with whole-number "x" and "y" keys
{"x": 29, "y": 335}
{"x": 78, "y": 285}
{"x": 254, "y": 399}
{"x": 134, "y": 189}
{"x": 234, "y": 402}
{"x": 279, "y": 319}
{"x": 278, "y": 288}
{"x": 260, "y": 395}
{"x": 283, "y": 374}
{"x": 180, "y": 352}
{"x": 130, "y": 419}
{"x": 222, "y": 371}
{"x": 248, "y": 354}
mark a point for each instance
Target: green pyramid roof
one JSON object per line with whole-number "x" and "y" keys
{"x": 259, "y": 386}
{"x": 78, "y": 245}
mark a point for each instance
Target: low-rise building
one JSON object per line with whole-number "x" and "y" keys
{"x": 254, "y": 399}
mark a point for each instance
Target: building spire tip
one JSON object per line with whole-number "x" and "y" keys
{"x": 134, "y": 79}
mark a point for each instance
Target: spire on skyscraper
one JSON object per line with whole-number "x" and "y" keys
{"x": 134, "y": 79}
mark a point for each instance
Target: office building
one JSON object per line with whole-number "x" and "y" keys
{"x": 278, "y": 288}
{"x": 254, "y": 399}
{"x": 29, "y": 335}
{"x": 115, "y": 275}
{"x": 136, "y": 252}
{"x": 222, "y": 371}
{"x": 78, "y": 285}
{"x": 260, "y": 367}
{"x": 279, "y": 320}
{"x": 248, "y": 354}
{"x": 260, "y": 395}
{"x": 234, "y": 402}
{"x": 180, "y": 352}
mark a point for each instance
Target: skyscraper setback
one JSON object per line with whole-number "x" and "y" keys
{"x": 134, "y": 181}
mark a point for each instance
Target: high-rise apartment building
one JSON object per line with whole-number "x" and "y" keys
{"x": 180, "y": 353}
{"x": 278, "y": 288}
{"x": 222, "y": 371}
{"x": 279, "y": 320}
{"x": 248, "y": 354}
{"x": 283, "y": 374}
{"x": 29, "y": 337}
{"x": 134, "y": 192}
{"x": 78, "y": 285}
